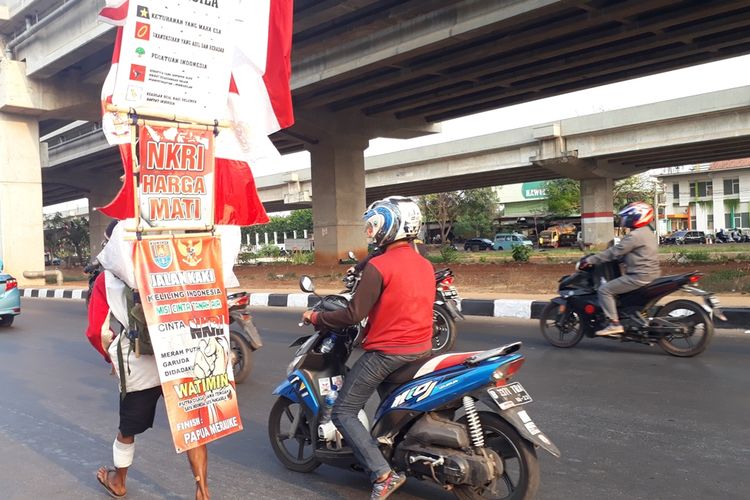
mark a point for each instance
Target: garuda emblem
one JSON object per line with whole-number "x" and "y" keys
{"x": 190, "y": 251}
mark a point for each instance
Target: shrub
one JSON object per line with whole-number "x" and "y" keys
{"x": 246, "y": 257}
{"x": 269, "y": 251}
{"x": 521, "y": 253}
{"x": 449, "y": 254}
{"x": 303, "y": 258}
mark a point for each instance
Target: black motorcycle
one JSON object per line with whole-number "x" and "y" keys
{"x": 445, "y": 312}
{"x": 93, "y": 269}
{"x": 243, "y": 336}
{"x": 681, "y": 327}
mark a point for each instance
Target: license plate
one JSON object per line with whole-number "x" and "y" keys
{"x": 508, "y": 396}
{"x": 450, "y": 293}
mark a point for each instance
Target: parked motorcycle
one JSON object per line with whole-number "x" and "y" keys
{"x": 444, "y": 310}
{"x": 427, "y": 423}
{"x": 93, "y": 269}
{"x": 681, "y": 327}
{"x": 243, "y": 336}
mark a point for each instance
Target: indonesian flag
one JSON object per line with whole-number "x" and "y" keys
{"x": 259, "y": 103}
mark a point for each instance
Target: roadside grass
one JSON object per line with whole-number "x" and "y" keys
{"x": 738, "y": 252}
{"x": 726, "y": 280}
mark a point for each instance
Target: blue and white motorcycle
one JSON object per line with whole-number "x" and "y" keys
{"x": 456, "y": 419}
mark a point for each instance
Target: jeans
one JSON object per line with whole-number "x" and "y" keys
{"x": 360, "y": 383}
{"x": 609, "y": 290}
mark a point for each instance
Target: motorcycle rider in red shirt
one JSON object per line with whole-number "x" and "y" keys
{"x": 395, "y": 293}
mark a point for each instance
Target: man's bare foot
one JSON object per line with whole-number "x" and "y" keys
{"x": 110, "y": 480}
{"x": 201, "y": 491}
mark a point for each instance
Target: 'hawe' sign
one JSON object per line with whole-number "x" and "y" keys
{"x": 177, "y": 176}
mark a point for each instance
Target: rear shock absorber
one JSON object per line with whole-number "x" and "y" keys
{"x": 475, "y": 426}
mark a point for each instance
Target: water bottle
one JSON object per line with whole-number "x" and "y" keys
{"x": 327, "y": 345}
{"x": 329, "y": 400}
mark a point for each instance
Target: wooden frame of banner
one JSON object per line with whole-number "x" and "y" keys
{"x": 184, "y": 121}
{"x": 166, "y": 120}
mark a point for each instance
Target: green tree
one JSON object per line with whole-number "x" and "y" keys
{"x": 468, "y": 213}
{"x": 298, "y": 220}
{"x": 67, "y": 238}
{"x": 564, "y": 195}
{"x": 477, "y": 213}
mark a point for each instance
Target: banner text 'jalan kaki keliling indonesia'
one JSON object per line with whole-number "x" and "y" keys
{"x": 182, "y": 290}
{"x": 177, "y": 176}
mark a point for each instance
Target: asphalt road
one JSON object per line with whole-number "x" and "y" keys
{"x": 631, "y": 421}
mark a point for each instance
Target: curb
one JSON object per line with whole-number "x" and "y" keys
{"x": 737, "y": 317}
{"x": 55, "y": 293}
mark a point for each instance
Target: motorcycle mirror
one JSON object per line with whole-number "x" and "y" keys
{"x": 306, "y": 284}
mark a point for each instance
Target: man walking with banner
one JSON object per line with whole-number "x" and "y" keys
{"x": 194, "y": 90}
{"x": 109, "y": 323}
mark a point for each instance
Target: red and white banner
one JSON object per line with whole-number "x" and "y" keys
{"x": 258, "y": 103}
{"x": 183, "y": 295}
{"x": 177, "y": 176}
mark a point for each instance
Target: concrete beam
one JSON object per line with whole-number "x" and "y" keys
{"x": 62, "y": 97}
{"x": 323, "y": 125}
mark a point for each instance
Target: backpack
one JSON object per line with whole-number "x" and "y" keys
{"x": 137, "y": 333}
{"x": 138, "y": 328}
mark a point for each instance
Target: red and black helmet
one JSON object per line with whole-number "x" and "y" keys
{"x": 636, "y": 214}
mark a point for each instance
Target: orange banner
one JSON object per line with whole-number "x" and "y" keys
{"x": 177, "y": 176}
{"x": 181, "y": 287}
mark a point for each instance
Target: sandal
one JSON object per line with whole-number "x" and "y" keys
{"x": 106, "y": 485}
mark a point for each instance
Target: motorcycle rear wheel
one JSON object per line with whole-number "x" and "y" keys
{"x": 241, "y": 357}
{"x": 568, "y": 336}
{"x": 284, "y": 412}
{"x": 443, "y": 330}
{"x": 520, "y": 478}
{"x": 699, "y": 325}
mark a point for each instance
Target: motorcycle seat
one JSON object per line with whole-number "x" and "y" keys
{"x": 427, "y": 365}
{"x": 667, "y": 279}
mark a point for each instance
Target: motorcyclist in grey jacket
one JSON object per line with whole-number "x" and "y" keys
{"x": 639, "y": 251}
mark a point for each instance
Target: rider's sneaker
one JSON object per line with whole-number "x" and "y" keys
{"x": 385, "y": 488}
{"x": 610, "y": 330}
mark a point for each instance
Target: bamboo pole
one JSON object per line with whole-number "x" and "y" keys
{"x": 164, "y": 228}
{"x": 171, "y": 117}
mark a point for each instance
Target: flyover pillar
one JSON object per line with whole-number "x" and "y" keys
{"x": 597, "y": 201}
{"x": 21, "y": 221}
{"x": 338, "y": 196}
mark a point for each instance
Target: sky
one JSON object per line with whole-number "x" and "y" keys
{"x": 719, "y": 75}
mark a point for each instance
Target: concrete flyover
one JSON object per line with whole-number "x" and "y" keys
{"x": 365, "y": 69}
{"x": 592, "y": 148}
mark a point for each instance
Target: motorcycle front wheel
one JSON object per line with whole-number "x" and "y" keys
{"x": 241, "y": 357}
{"x": 294, "y": 447}
{"x": 443, "y": 330}
{"x": 565, "y": 335}
{"x": 698, "y": 326}
{"x": 520, "y": 477}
